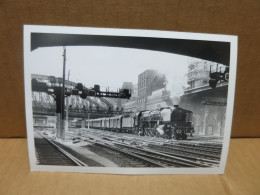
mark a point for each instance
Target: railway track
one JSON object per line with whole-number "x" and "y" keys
{"x": 153, "y": 155}
{"x": 134, "y": 159}
{"x": 158, "y": 140}
{"x": 49, "y": 153}
{"x": 212, "y": 148}
{"x": 197, "y": 148}
{"x": 187, "y": 152}
{"x": 169, "y": 159}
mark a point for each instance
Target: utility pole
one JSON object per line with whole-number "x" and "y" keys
{"x": 67, "y": 109}
{"x": 62, "y": 133}
{"x": 88, "y": 115}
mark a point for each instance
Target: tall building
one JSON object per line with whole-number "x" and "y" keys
{"x": 149, "y": 81}
{"x": 198, "y": 74}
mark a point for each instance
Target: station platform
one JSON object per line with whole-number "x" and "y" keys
{"x": 242, "y": 176}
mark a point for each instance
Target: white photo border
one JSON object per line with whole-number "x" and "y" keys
{"x": 28, "y": 29}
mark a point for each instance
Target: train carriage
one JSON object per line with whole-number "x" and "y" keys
{"x": 128, "y": 124}
{"x": 97, "y": 123}
{"x": 76, "y": 123}
{"x": 116, "y": 123}
{"x": 89, "y": 123}
{"x": 104, "y": 123}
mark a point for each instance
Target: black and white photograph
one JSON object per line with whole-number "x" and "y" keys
{"x": 124, "y": 101}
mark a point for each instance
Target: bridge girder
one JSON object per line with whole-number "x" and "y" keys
{"x": 215, "y": 51}
{"x": 75, "y": 101}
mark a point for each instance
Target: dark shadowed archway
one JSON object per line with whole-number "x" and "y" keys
{"x": 215, "y": 51}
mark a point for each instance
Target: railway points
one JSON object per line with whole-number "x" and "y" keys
{"x": 137, "y": 151}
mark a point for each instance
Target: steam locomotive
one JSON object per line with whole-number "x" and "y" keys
{"x": 166, "y": 122}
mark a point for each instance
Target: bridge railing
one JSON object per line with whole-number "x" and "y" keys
{"x": 40, "y": 110}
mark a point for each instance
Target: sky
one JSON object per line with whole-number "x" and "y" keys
{"x": 109, "y": 66}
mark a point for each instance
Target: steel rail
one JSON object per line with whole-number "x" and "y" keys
{"x": 179, "y": 157}
{"x": 189, "y": 163}
{"x": 68, "y": 155}
{"x": 197, "y": 148}
{"x": 183, "y": 161}
{"x": 185, "y": 151}
{"x": 189, "y": 157}
{"x": 192, "y": 152}
{"x": 204, "y": 145}
{"x": 129, "y": 153}
{"x": 99, "y": 142}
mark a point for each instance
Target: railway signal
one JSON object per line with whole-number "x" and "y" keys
{"x": 218, "y": 76}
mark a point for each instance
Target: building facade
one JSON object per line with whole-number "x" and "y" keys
{"x": 148, "y": 81}
{"x": 208, "y": 105}
{"x": 198, "y": 73}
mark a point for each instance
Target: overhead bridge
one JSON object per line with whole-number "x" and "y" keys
{"x": 80, "y": 113}
{"x": 216, "y": 51}
{"x": 73, "y": 101}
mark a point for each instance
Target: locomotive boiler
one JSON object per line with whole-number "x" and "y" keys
{"x": 166, "y": 122}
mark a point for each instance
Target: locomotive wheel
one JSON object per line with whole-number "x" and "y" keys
{"x": 136, "y": 131}
{"x": 156, "y": 134}
{"x": 184, "y": 136}
{"x": 142, "y": 132}
{"x": 169, "y": 135}
{"x": 177, "y": 136}
{"x": 153, "y": 133}
{"x": 146, "y": 132}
